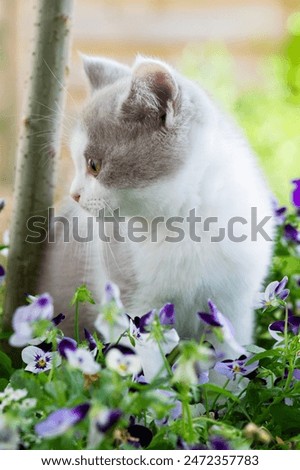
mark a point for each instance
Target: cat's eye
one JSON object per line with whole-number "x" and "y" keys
{"x": 93, "y": 166}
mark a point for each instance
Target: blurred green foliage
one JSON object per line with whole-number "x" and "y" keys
{"x": 269, "y": 114}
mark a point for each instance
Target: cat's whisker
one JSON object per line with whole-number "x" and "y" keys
{"x": 61, "y": 84}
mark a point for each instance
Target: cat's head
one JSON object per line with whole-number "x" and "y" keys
{"x": 132, "y": 141}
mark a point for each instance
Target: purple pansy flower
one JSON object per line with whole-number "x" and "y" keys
{"x": 25, "y": 317}
{"x": 2, "y": 274}
{"x": 150, "y": 352}
{"x": 79, "y": 358}
{"x": 218, "y": 323}
{"x": 232, "y": 368}
{"x": 140, "y": 436}
{"x": 83, "y": 360}
{"x": 123, "y": 360}
{"x": 219, "y": 443}
{"x": 112, "y": 294}
{"x": 91, "y": 342}
{"x": 38, "y": 360}
{"x": 143, "y": 323}
{"x": 276, "y": 329}
{"x": 101, "y": 423}
{"x": 58, "y": 319}
{"x": 194, "y": 364}
{"x": 274, "y": 294}
{"x": 90, "y": 339}
{"x": 167, "y": 314}
{"x": 296, "y": 374}
{"x": 279, "y": 213}
{"x": 65, "y": 344}
{"x": 2, "y": 204}
{"x": 296, "y": 193}
{"x": 61, "y": 420}
{"x": 291, "y": 233}
{"x": 106, "y": 419}
{"x": 166, "y": 317}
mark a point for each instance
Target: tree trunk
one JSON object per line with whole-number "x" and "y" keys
{"x": 38, "y": 149}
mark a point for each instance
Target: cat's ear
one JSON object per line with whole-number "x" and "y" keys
{"x": 102, "y": 72}
{"x": 153, "y": 90}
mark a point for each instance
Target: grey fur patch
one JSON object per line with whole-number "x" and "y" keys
{"x": 102, "y": 72}
{"x": 127, "y": 134}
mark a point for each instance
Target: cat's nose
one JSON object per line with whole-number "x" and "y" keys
{"x": 75, "y": 196}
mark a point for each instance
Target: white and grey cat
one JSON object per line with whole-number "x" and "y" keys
{"x": 152, "y": 143}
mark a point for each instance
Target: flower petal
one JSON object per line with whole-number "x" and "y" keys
{"x": 209, "y": 319}
{"x": 270, "y": 291}
{"x": 167, "y": 314}
{"x": 83, "y": 360}
{"x": 61, "y": 420}
{"x": 66, "y": 344}
{"x": 296, "y": 193}
{"x": 30, "y": 353}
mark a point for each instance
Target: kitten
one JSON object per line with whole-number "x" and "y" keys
{"x": 151, "y": 143}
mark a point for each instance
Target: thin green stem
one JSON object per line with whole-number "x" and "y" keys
{"x": 289, "y": 378}
{"x": 166, "y": 362}
{"x": 219, "y": 394}
{"x": 206, "y": 402}
{"x": 286, "y": 338}
{"x": 187, "y": 419}
{"x": 76, "y": 325}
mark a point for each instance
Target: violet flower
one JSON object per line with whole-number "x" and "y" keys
{"x": 112, "y": 294}
{"x": 167, "y": 315}
{"x": 296, "y": 374}
{"x": 83, "y": 360}
{"x": 274, "y": 294}
{"x": 219, "y": 443}
{"x": 291, "y": 233}
{"x": 193, "y": 365}
{"x": 101, "y": 423}
{"x": 61, "y": 420}
{"x": 150, "y": 352}
{"x": 276, "y": 329}
{"x": 25, "y": 318}
{"x": 279, "y": 213}
{"x": 38, "y": 360}
{"x": 232, "y": 368}
{"x": 65, "y": 344}
{"x": 220, "y": 326}
{"x": 296, "y": 193}
{"x": 2, "y": 204}
{"x": 139, "y": 436}
{"x": 123, "y": 360}
{"x": 90, "y": 339}
{"x": 58, "y": 319}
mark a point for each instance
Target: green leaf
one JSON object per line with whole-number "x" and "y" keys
{"x": 220, "y": 390}
{"x": 6, "y": 368}
{"x": 287, "y": 417}
{"x": 270, "y": 353}
{"x": 252, "y": 348}
{"x": 3, "y": 384}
